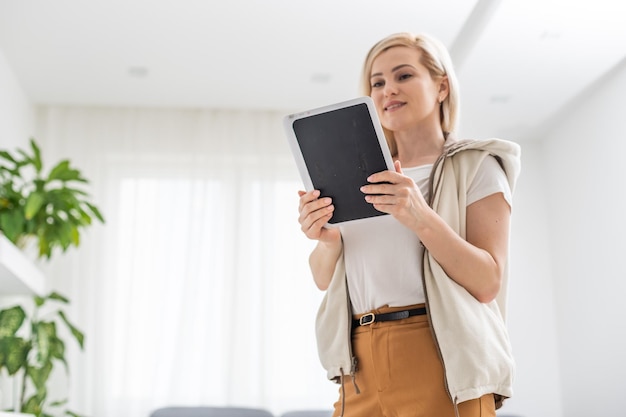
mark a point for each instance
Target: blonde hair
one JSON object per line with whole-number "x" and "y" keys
{"x": 435, "y": 57}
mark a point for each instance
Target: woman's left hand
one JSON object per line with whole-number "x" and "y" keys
{"x": 396, "y": 194}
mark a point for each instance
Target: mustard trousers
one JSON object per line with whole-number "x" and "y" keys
{"x": 399, "y": 374}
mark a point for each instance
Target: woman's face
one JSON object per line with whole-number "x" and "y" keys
{"x": 405, "y": 95}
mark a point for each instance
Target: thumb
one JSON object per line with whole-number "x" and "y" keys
{"x": 398, "y": 166}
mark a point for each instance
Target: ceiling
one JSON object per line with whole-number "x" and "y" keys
{"x": 518, "y": 61}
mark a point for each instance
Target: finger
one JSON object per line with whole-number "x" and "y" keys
{"x": 316, "y": 205}
{"x": 398, "y": 166}
{"x": 312, "y": 223}
{"x": 380, "y": 199}
{"x": 377, "y": 189}
{"x": 384, "y": 176}
{"x": 381, "y": 203}
{"x": 310, "y": 207}
{"x": 321, "y": 222}
{"x": 307, "y": 197}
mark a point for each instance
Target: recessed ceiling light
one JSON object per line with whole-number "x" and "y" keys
{"x": 138, "y": 72}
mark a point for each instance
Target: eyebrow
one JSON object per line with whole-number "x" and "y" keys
{"x": 394, "y": 69}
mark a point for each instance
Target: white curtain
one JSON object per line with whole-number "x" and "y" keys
{"x": 196, "y": 291}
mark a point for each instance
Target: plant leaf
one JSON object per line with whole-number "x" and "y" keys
{"x": 32, "y": 406}
{"x": 45, "y": 249}
{"x": 11, "y": 320}
{"x": 33, "y": 204}
{"x": 63, "y": 172}
{"x": 95, "y": 211}
{"x": 58, "y": 297}
{"x": 39, "y": 301}
{"x": 57, "y": 351}
{"x": 12, "y": 224}
{"x": 14, "y": 353}
{"x": 26, "y": 159}
{"x": 36, "y": 159}
{"x": 59, "y": 403}
{"x": 75, "y": 236}
{"x": 78, "y": 335}
{"x": 39, "y": 376}
{"x": 45, "y": 332}
{"x": 58, "y": 170}
{"x": 6, "y": 155}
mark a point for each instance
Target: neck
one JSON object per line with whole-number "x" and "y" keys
{"x": 419, "y": 147}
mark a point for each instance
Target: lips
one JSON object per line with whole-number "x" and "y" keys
{"x": 393, "y": 105}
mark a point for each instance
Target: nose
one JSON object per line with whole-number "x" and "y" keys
{"x": 391, "y": 89}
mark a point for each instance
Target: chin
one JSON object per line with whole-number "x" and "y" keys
{"x": 394, "y": 125}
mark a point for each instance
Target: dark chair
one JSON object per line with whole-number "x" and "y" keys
{"x": 205, "y": 411}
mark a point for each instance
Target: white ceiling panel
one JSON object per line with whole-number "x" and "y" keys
{"x": 519, "y": 61}
{"x": 271, "y": 54}
{"x": 533, "y": 58}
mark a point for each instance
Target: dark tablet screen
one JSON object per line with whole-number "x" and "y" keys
{"x": 340, "y": 150}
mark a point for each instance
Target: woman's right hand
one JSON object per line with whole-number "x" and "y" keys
{"x": 315, "y": 212}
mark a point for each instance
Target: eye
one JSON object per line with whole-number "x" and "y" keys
{"x": 377, "y": 83}
{"x": 405, "y": 76}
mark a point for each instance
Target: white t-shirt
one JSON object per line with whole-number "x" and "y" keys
{"x": 383, "y": 258}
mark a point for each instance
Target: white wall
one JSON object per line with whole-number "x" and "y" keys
{"x": 531, "y": 313}
{"x": 16, "y": 111}
{"x": 568, "y": 276}
{"x": 16, "y": 126}
{"x": 584, "y": 170}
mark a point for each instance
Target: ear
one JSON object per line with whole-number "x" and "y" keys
{"x": 444, "y": 88}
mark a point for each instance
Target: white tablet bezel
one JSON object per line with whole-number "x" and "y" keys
{"x": 297, "y": 153}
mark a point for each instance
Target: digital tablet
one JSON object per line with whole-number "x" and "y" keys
{"x": 336, "y": 147}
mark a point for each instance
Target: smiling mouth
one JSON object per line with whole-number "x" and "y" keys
{"x": 394, "y": 106}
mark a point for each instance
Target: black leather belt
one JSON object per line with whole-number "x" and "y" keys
{"x": 370, "y": 318}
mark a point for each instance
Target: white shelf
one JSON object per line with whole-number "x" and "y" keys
{"x": 18, "y": 274}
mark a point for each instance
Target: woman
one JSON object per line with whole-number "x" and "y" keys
{"x": 413, "y": 309}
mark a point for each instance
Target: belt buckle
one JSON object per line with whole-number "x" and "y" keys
{"x": 367, "y": 319}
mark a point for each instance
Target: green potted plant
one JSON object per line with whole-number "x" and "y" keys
{"x": 51, "y": 210}
{"x": 31, "y": 345}
{"x": 48, "y": 208}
